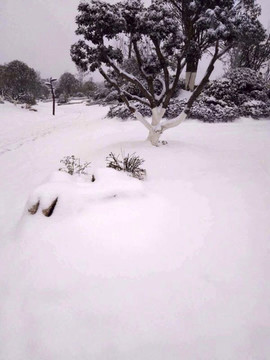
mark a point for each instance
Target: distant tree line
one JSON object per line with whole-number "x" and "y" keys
{"x": 69, "y": 85}
{"x": 21, "y": 84}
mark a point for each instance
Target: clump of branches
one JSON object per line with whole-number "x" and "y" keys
{"x": 73, "y": 165}
{"x": 129, "y": 163}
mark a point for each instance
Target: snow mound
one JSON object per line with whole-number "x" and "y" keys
{"x": 74, "y": 192}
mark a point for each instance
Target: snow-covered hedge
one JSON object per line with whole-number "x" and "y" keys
{"x": 122, "y": 112}
{"x": 255, "y": 108}
{"x": 241, "y": 92}
{"x": 210, "y": 110}
{"x": 206, "y": 110}
{"x": 175, "y": 108}
{"x": 26, "y": 99}
{"x": 63, "y": 99}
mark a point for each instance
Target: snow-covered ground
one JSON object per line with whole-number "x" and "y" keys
{"x": 175, "y": 267}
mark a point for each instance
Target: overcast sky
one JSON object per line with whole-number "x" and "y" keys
{"x": 40, "y": 33}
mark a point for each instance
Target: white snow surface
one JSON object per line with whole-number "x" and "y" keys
{"x": 174, "y": 267}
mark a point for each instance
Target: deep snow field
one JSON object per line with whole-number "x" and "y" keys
{"x": 176, "y": 267}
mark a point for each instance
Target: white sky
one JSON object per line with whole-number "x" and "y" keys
{"x": 40, "y": 33}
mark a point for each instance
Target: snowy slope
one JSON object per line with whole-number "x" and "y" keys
{"x": 176, "y": 267}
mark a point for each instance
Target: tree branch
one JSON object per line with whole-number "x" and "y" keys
{"x": 162, "y": 62}
{"x": 168, "y": 95}
{"x": 148, "y": 78}
{"x": 137, "y": 114}
{"x": 143, "y": 120}
{"x": 195, "y": 94}
{"x": 116, "y": 86}
{"x": 134, "y": 97}
{"x": 205, "y": 79}
{"x": 130, "y": 78}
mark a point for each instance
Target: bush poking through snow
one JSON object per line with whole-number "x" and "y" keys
{"x": 73, "y": 165}
{"x": 130, "y": 164}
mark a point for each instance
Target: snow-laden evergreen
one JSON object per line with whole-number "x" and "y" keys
{"x": 159, "y": 45}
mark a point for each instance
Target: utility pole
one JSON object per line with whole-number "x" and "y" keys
{"x": 50, "y": 85}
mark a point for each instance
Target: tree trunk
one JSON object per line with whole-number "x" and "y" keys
{"x": 190, "y": 80}
{"x": 154, "y": 128}
{"x": 130, "y": 48}
{"x": 191, "y": 72}
{"x": 204, "y": 80}
{"x": 154, "y": 137}
{"x": 157, "y": 115}
{"x": 155, "y": 131}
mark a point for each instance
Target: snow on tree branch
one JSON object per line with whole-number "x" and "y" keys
{"x": 161, "y": 43}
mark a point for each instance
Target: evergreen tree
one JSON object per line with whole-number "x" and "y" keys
{"x": 195, "y": 23}
{"x": 67, "y": 85}
{"x": 253, "y": 48}
{"x": 19, "y": 81}
{"x": 160, "y": 49}
{"x": 88, "y": 88}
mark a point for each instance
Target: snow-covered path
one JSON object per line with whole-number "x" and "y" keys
{"x": 31, "y": 146}
{"x": 180, "y": 271}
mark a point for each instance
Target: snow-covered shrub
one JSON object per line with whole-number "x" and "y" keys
{"x": 129, "y": 163}
{"x": 260, "y": 95}
{"x": 79, "y": 94}
{"x": 112, "y": 96}
{"x": 73, "y": 165}
{"x": 214, "y": 112}
{"x": 175, "y": 108}
{"x": 144, "y": 110}
{"x": 63, "y": 99}
{"x": 103, "y": 95}
{"x": 210, "y": 109}
{"x": 122, "y": 112}
{"x": 100, "y": 93}
{"x": 220, "y": 90}
{"x": 26, "y": 99}
{"x": 246, "y": 80}
{"x": 255, "y": 108}
{"x": 241, "y": 92}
